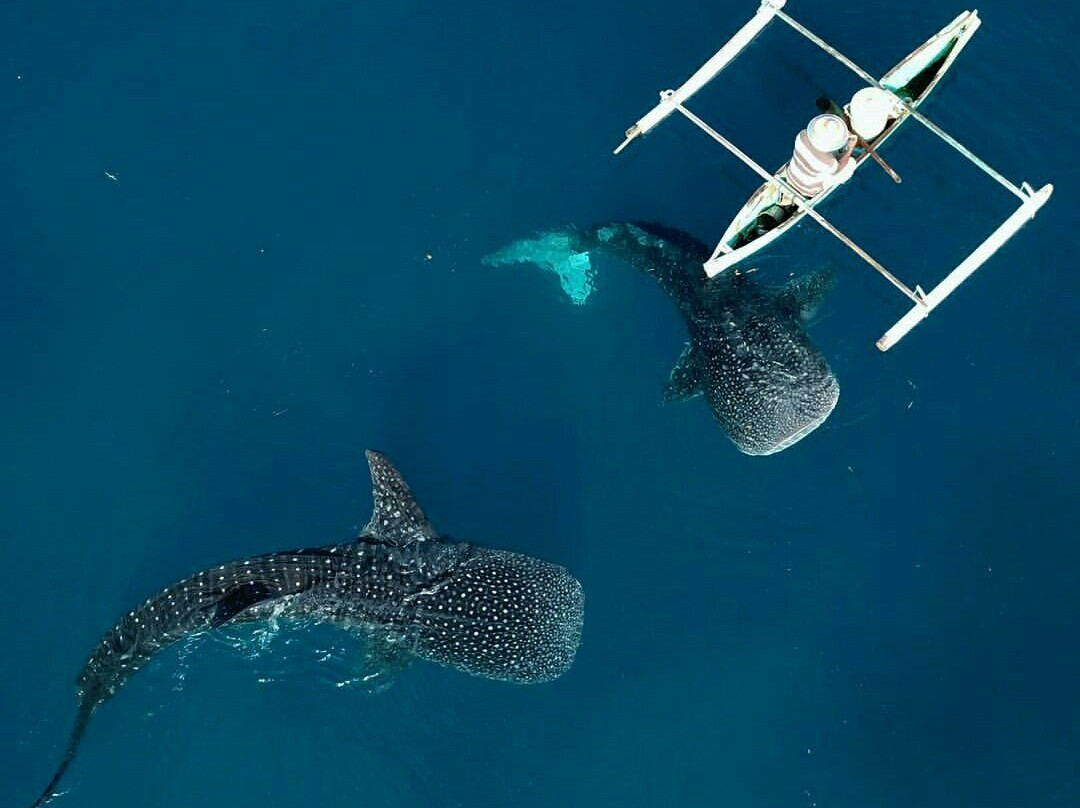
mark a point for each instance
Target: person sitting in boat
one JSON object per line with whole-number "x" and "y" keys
{"x": 870, "y": 111}
{"x": 822, "y": 156}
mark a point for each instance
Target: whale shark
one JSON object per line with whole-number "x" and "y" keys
{"x": 487, "y": 612}
{"x": 748, "y": 352}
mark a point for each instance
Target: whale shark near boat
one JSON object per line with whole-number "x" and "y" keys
{"x": 748, "y": 351}
{"x": 486, "y": 612}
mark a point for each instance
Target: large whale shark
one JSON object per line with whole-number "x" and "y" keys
{"x": 748, "y": 352}
{"x": 487, "y": 612}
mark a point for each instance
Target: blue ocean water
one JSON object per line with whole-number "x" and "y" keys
{"x": 287, "y": 270}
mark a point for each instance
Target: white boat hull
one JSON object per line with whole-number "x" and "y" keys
{"x": 729, "y": 252}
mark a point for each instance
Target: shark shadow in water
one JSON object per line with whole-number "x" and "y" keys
{"x": 748, "y": 352}
{"x": 487, "y": 612}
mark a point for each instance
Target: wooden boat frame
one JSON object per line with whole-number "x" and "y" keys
{"x": 775, "y": 186}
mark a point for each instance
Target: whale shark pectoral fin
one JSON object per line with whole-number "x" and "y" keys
{"x": 804, "y": 294}
{"x": 397, "y": 518}
{"x": 686, "y": 376}
{"x": 385, "y": 656}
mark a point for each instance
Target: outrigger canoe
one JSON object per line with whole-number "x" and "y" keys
{"x": 912, "y": 80}
{"x": 776, "y": 207}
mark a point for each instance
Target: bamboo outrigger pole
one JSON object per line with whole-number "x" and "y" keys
{"x": 1033, "y": 200}
{"x": 704, "y": 74}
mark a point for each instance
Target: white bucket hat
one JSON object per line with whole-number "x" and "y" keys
{"x": 827, "y": 133}
{"x": 870, "y": 111}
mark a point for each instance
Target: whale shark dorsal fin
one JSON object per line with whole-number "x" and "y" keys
{"x": 397, "y": 519}
{"x": 805, "y": 293}
{"x": 686, "y": 376}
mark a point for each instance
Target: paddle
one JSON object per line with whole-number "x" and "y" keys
{"x": 826, "y": 104}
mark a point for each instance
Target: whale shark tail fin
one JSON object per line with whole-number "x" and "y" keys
{"x": 670, "y": 256}
{"x": 86, "y": 709}
{"x": 557, "y": 252}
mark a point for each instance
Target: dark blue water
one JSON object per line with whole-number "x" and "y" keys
{"x": 195, "y": 357}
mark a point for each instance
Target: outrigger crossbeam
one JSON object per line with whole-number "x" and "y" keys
{"x": 924, "y": 302}
{"x": 706, "y": 73}
{"x": 801, "y": 203}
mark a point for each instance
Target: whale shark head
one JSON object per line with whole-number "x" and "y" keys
{"x": 504, "y": 616}
{"x": 766, "y": 405}
{"x": 768, "y": 385}
{"x": 491, "y": 612}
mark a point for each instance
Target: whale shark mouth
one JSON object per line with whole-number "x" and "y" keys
{"x": 794, "y": 437}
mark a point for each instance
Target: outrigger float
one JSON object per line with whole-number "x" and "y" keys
{"x": 781, "y": 205}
